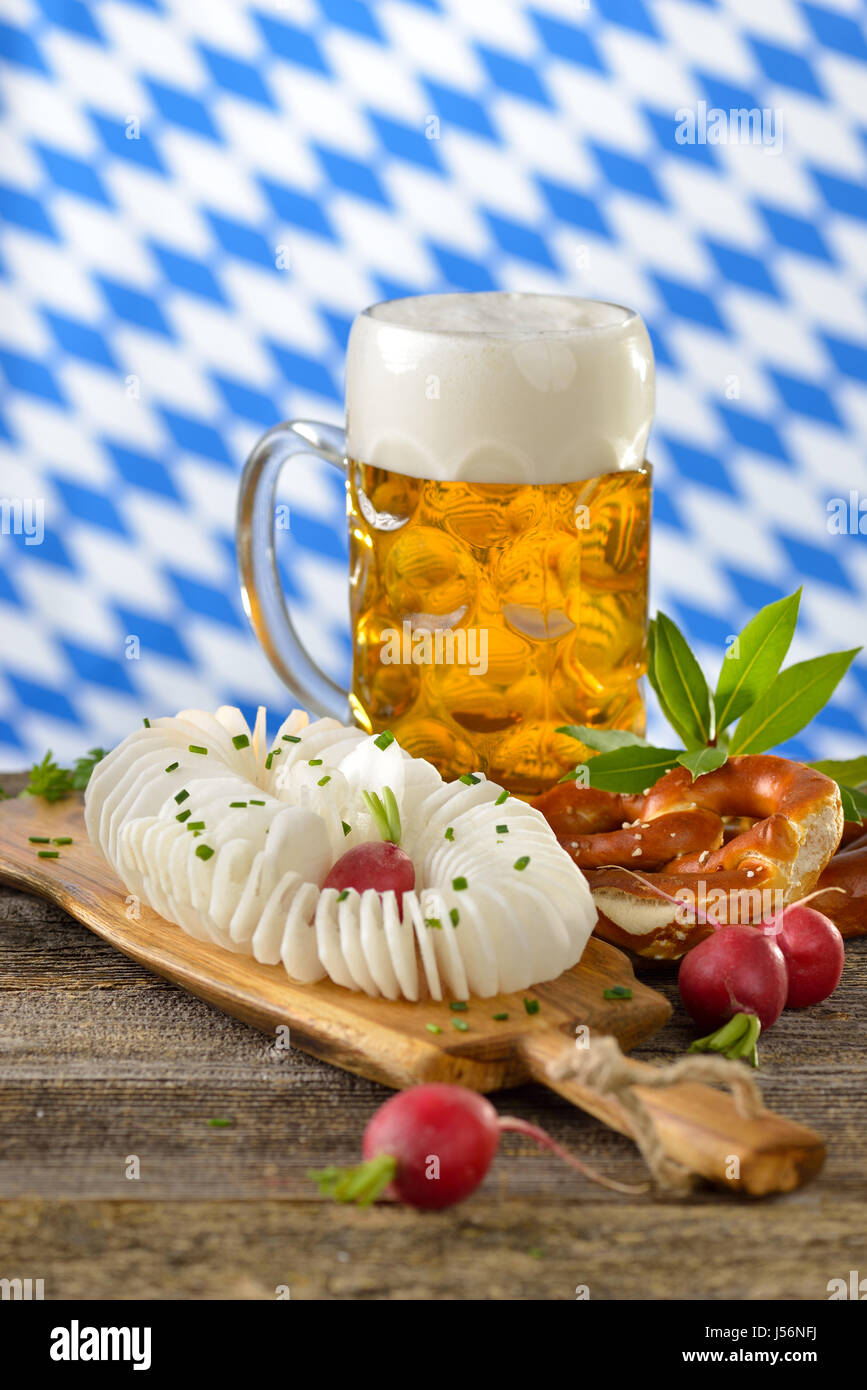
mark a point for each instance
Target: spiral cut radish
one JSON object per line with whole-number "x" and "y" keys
{"x": 231, "y": 838}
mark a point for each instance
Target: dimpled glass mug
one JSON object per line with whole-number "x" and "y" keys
{"x": 499, "y": 511}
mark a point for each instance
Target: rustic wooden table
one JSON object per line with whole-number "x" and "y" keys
{"x": 102, "y": 1063}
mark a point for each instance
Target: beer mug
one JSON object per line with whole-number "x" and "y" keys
{"x": 499, "y": 509}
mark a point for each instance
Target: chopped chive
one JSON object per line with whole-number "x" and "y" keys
{"x": 433, "y": 1028}
{"x": 502, "y": 829}
{"x": 434, "y": 923}
{"x": 459, "y": 1006}
{"x": 344, "y": 894}
{"x": 290, "y": 738}
{"x": 233, "y": 804}
{"x": 146, "y": 722}
{"x": 322, "y": 781}
{"x": 172, "y": 767}
{"x": 459, "y": 884}
{"x": 240, "y": 741}
{"x": 384, "y": 739}
{"x": 196, "y": 825}
{"x": 454, "y": 916}
{"x": 253, "y": 802}
{"x": 219, "y": 1123}
{"x": 183, "y": 815}
{"x": 62, "y": 840}
{"x": 504, "y": 796}
{"x": 617, "y": 992}
{"x": 197, "y": 748}
{"x": 315, "y": 762}
{"x": 532, "y": 1006}
{"x": 204, "y": 852}
{"x": 469, "y": 780}
{"x": 182, "y": 795}
{"x": 39, "y": 839}
{"x": 347, "y": 828}
{"x": 268, "y": 761}
{"x": 450, "y": 833}
{"x": 500, "y": 1018}
{"x": 48, "y": 854}
{"x": 522, "y": 862}
{"x": 461, "y": 1026}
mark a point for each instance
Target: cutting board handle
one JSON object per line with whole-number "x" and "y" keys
{"x": 698, "y": 1126}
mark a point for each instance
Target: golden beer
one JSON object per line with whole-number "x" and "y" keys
{"x": 486, "y": 615}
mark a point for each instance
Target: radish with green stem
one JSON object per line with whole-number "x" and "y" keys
{"x": 735, "y": 982}
{"x": 378, "y": 864}
{"x": 431, "y": 1146}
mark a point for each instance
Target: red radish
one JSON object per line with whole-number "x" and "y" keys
{"x": 737, "y": 970}
{"x": 735, "y": 982}
{"x": 378, "y": 864}
{"x": 813, "y": 950}
{"x": 431, "y": 1146}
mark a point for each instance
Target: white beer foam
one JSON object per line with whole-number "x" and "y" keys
{"x": 498, "y": 387}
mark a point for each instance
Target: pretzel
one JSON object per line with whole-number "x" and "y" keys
{"x": 847, "y": 871}
{"x": 639, "y": 851}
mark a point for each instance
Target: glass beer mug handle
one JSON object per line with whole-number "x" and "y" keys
{"x": 261, "y": 590}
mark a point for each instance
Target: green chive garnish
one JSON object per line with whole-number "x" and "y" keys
{"x": 617, "y": 992}
{"x": 458, "y": 1006}
{"x": 433, "y": 1028}
{"x": 182, "y": 795}
{"x": 172, "y": 767}
{"x": 253, "y": 802}
{"x": 522, "y": 862}
{"x": 240, "y": 741}
{"x": 62, "y": 840}
{"x": 459, "y": 884}
{"x": 183, "y": 815}
{"x": 315, "y": 762}
{"x": 234, "y": 804}
{"x": 500, "y": 1018}
{"x": 344, "y": 894}
{"x": 434, "y": 923}
{"x": 48, "y": 854}
{"x": 147, "y": 723}
{"x": 532, "y": 1005}
{"x": 196, "y": 825}
{"x": 217, "y": 1122}
{"x": 469, "y": 780}
{"x": 322, "y": 781}
{"x": 461, "y": 1026}
{"x": 450, "y": 833}
{"x": 504, "y": 796}
{"x": 268, "y": 761}
{"x": 197, "y": 748}
{"x": 204, "y": 851}
{"x": 384, "y": 739}
{"x": 454, "y": 916}
{"x": 290, "y": 738}
{"x": 347, "y": 828}
{"x": 39, "y": 839}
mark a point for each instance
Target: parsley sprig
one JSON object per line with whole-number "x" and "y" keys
{"x": 754, "y": 707}
{"x": 52, "y": 782}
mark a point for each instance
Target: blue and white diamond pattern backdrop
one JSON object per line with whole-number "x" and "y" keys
{"x": 198, "y": 195}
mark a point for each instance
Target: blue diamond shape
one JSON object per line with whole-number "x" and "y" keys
{"x": 632, "y": 175}
{"x": 85, "y": 504}
{"x": 460, "y": 272}
{"x": 806, "y": 398}
{"x": 188, "y": 274}
{"x": 568, "y": 205}
{"x": 567, "y": 41}
{"x": 351, "y": 175}
{"x": 787, "y": 68}
{"x": 689, "y": 303}
{"x": 196, "y": 437}
{"x": 80, "y": 340}
{"x": 849, "y": 358}
{"x": 742, "y": 269}
{"x": 751, "y": 432}
{"x": 182, "y": 109}
{"x": 456, "y": 108}
{"x": 406, "y": 143}
{"x": 293, "y": 44}
{"x": 521, "y": 241}
{"x": 134, "y": 307}
{"x": 75, "y": 175}
{"x": 795, "y": 233}
{"x": 19, "y": 48}
{"x": 25, "y": 374}
{"x": 511, "y": 75}
{"x": 241, "y": 240}
{"x": 236, "y": 76}
{"x": 153, "y": 635}
{"x": 141, "y": 470}
{"x": 304, "y": 371}
{"x": 25, "y": 211}
{"x": 41, "y": 699}
{"x": 137, "y": 149}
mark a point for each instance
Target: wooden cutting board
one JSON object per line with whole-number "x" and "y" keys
{"x": 389, "y": 1041}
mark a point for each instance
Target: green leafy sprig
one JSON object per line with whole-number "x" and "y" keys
{"x": 756, "y": 706}
{"x": 52, "y": 782}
